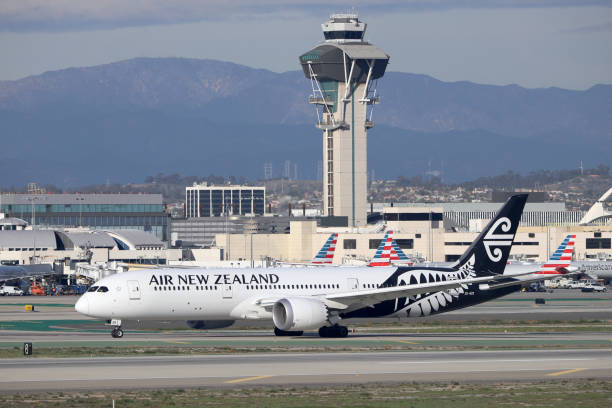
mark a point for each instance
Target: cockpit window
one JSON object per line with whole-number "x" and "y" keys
{"x": 92, "y": 289}
{"x": 103, "y": 289}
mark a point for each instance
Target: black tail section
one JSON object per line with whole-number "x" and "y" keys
{"x": 489, "y": 253}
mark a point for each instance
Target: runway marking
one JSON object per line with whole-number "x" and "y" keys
{"x": 518, "y": 360}
{"x": 239, "y": 380}
{"x": 406, "y": 341}
{"x": 574, "y": 370}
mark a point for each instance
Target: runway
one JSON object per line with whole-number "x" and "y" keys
{"x": 561, "y": 305}
{"x": 306, "y": 368}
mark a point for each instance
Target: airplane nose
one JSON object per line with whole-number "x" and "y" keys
{"x": 82, "y": 306}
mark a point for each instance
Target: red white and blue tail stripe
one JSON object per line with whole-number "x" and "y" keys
{"x": 388, "y": 252}
{"x": 326, "y": 253}
{"x": 560, "y": 259}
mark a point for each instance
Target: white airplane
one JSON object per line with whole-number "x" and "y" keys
{"x": 595, "y": 269}
{"x": 298, "y": 299}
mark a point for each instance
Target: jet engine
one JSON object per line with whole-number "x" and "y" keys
{"x": 209, "y": 324}
{"x": 299, "y": 314}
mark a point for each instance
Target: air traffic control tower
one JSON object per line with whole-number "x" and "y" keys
{"x": 343, "y": 71}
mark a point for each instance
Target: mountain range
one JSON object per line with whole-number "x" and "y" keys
{"x": 126, "y": 120}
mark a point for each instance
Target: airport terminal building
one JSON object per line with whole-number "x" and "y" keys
{"x": 143, "y": 212}
{"x": 429, "y": 233}
{"x": 71, "y": 246}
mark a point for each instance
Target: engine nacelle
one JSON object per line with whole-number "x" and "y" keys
{"x": 293, "y": 314}
{"x": 209, "y": 324}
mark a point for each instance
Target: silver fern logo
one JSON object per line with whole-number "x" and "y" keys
{"x": 496, "y": 240}
{"x": 426, "y": 304}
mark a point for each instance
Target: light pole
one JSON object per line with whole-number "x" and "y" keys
{"x": 80, "y": 200}
{"x": 227, "y": 238}
{"x": 33, "y": 219}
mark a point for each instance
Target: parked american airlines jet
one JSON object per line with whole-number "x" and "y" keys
{"x": 296, "y": 299}
{"x": 389, "y": 253}
{"x": 327, "y": 251}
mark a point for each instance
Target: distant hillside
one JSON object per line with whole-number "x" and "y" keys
{"x": 126, "y": 120}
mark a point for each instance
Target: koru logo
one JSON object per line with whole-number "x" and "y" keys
{"x": 493, "y": 240}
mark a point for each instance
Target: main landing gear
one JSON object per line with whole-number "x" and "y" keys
{"x": 333, "y": 331}
{"x": 117, "y": 331}
{"x": 279, "y": 332}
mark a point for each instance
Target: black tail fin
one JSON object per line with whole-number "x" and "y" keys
{"x": 489, "y": 253}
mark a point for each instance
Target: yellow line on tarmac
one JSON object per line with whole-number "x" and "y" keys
{"x": 239, "y": 380}
{"x": 406, "y": 341}
{"x": 574, "y": 370}
{"x": 176, "y": 341}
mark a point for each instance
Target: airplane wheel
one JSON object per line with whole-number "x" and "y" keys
{"x": 333, "y": 331}
{"x": 279, "y": 332}
{"x": 117, "y": 333}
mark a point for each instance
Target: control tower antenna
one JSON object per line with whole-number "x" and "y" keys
{"x": 343, "y": 71}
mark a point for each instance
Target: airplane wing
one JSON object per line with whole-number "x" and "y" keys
{"x": 349, "y": 301}
{"x": 526, "y": 278}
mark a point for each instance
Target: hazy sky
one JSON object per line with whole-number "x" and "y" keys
{"x": 541, "y": 43}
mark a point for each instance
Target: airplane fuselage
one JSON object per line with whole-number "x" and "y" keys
{"x": 237, "y": 294}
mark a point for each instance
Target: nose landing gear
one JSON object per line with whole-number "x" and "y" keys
{"x": 117, "y": 331}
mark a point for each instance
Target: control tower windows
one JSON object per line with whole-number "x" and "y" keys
{"x": 343, "y": 35}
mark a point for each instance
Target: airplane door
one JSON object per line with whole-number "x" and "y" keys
{"x": 134, "y": 289}
{"x": 353, "y": 284}
{"x": 227, "y": 292}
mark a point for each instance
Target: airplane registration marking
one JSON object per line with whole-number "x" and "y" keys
{"x": 573, "y": 370}
{"x": 239, "y": 380}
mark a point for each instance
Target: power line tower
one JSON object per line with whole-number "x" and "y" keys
{"x": 267, "y": 171}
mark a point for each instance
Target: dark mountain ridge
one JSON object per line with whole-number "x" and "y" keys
{"x": 145, "y": 115}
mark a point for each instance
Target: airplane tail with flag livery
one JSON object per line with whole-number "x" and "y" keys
{"x": 389, "y": 252}
{"x": 560, "y": 260}
{"x": 326, "y": 253}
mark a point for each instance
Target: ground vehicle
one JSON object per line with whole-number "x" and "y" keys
{"x": 535, "y": 287}
{"x": 36, "y": 289}
{"x": 11, "y": 291}
{"x": 594, "y": 287}
{"x": 576, "y": 285}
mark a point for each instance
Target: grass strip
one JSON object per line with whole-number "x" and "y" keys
{"x": 134, "y": 350}
{"x": 563, "y": 393}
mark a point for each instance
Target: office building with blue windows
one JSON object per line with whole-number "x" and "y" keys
{"x": 202, "y": 200}
{"x": 95, "y": 211}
